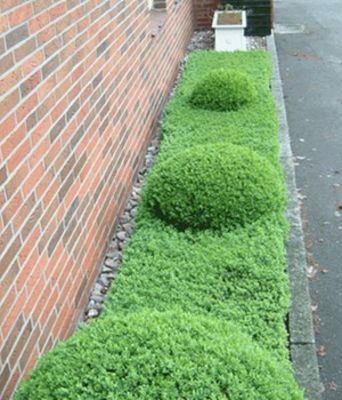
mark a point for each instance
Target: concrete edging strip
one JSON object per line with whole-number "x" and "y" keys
{"x": 302, "y": 338}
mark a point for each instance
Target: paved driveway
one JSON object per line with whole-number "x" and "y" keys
{"x": 309, "y": 41}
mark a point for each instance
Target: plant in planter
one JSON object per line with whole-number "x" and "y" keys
{"x": 229, "y": 26}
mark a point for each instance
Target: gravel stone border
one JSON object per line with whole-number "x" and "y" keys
{"x": 302, "y": 339}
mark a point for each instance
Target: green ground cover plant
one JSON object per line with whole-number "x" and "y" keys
{"x": 222, "y": 90}
{"x": 254, "y": 126}
{"x": 238, "y": 276}
{"x": 160, "y": 356}
{"x": 194, "y": 313}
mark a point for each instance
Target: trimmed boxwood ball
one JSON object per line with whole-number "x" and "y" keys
{"x": 151, "y": 355}
{"x": 215, "y": 186}
{"x": 223, "y": 90}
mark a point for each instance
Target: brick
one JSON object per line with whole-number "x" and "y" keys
{"x": 17, "y": 35}
{"x": 41, "y": 301}
{"x": 31, "y": 222}
{"x": 19, "y": 155}
{"x": 21, "y": 14}
{"x": 47, "y": 330}
{"x": 28, "y": 47}
{"x": 27, "y": 106}
{"x": 2, "y": 46}
{"x": 6, "y": 305}
{"x": 65, "y": 187}
{"x": 12, "y": 382}
{"x": 32, "y": 63}
{"x": 29, "y": 347}
{"x": 28, "y": 257}
{"x": 39, "y": 22}
{"x": 13, "y": 140}
{"x": 8, "y": 291}
{"x": 15, "y": 181}
{"x": 45, "y": 107}
{"x": 30, "y": 83}
{"x": 80, "y": 291}
{"x": 96, "y": 81}
{"x": 31, "y": 121}
{"x": 50, "y": 66}
{"x": 3, "y": 22}
{"x": 68, "y": 167}
{"x": 7, "y": 126}
{"x": 8, "y": 103}
{"x": 52, "y": 47}
{"x": 73, "y": 109}
{"x": 10, "y": 340}
{"x": 5, "y": 237}
{"x": 22, "y": 340}
{"x": 71, "y": 211}
{"x": 54, "y": 240}
{"x": 41, "y": 5}
{"x": 8, "y": 4}
{"x": 57, "y": 129}
{"x": 77, "y": 137}
{"x": 46, "y": 34}
{"x": 3, "y": 175}
{"x": 9, "y": 81}
{"x": 72, "y": 3}
{"x": 80, "y": 164}
{"x": 57, "y": 11}
{"x": 4, "y": 376}
{"x": 101, "y": 48}
{"x": 24, "y": 211}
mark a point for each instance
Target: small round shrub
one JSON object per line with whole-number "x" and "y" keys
{"x": 155, "y": 356}
{"x": 215, "y": 186}
{"x": 223, "y": 90}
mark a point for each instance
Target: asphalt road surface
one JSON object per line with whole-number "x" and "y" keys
{"x": 309, "y": 42}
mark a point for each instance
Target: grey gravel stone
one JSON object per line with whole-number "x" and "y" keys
{"x": 121, "y": 235}
{"x": 107, "y": 270}
{"x": 93, "y": 313}
{"x": 128, "y": 228}
{"x": 98, "y": 306}
{"x": 111, "y": 263}
{"x": 134, "y": 212}
{"x": 125, "y": 218}
{"x": 122, "y": 245}
{"x": 97, "y": 298}
{"x": 91, "y": 304}
{"x": 97, "y": 288}
{"x": 128, "y": 206}
{"x": 104, "y": 280}
{"x": 111, "y": 275}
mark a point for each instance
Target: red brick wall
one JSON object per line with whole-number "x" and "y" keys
{"x": 81, "y": 85}
{"x": 203, "y": 13}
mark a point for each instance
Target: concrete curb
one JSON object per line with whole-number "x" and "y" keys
{"x": 302, "y": 339}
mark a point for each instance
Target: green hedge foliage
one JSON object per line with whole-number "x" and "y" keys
{"x": 254, "y": 126}
{"x": 214, "y": 186}
{"x": 176, "y": 319}
{"x": 154, "y": 356}
{"x": 238, "y": 275}
{"x": 222, "y": 90}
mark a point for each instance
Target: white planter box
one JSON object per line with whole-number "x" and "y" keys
{"x": 230, "y": 37}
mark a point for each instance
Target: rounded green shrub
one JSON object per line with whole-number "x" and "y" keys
{"x": 214, "y": 186}
{"x": 154, "y": 356}
{"x": 223, "y": 90}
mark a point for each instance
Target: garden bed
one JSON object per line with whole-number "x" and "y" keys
{"x": 198, "y": 309}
